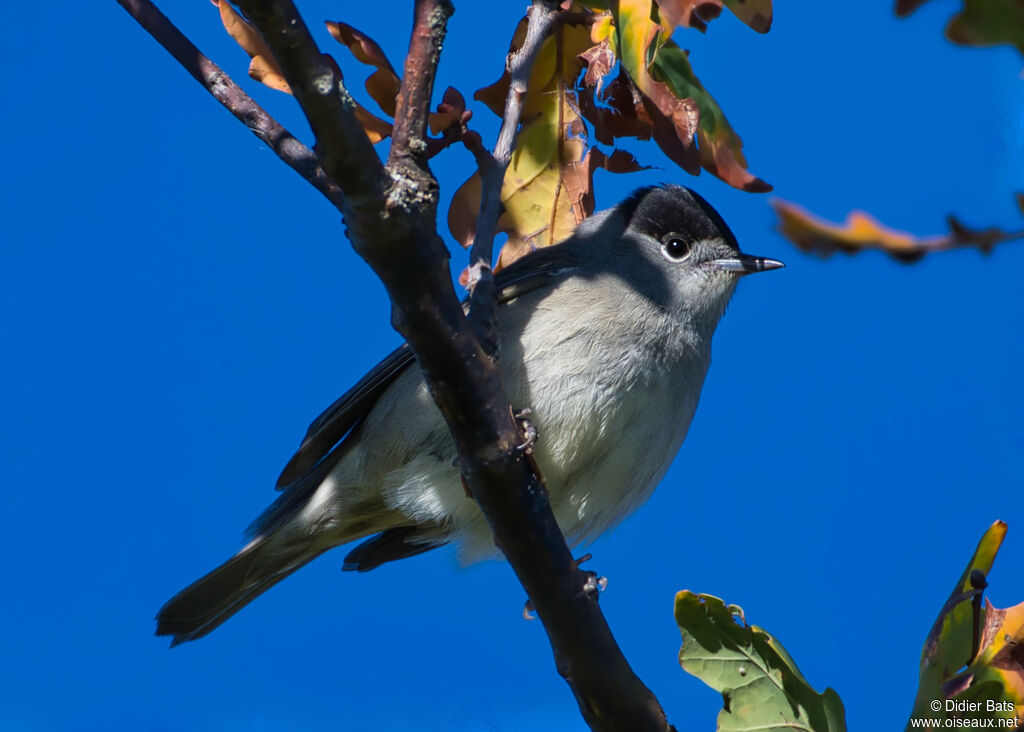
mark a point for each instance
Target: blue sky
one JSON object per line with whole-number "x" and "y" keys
{"x": 178, "y": 306}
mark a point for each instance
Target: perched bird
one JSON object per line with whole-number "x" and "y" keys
{"x": 606, "y": 337}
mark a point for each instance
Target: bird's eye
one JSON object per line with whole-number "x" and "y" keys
{"x": 676, "y": 248}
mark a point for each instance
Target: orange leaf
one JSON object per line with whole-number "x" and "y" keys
{"x": 374, "y": 127}
{"x": 449, "y": 111}
{"x": 861, "y": 232}
{"x": 263, "y": 67}
{"x": 383, "y": 84}
{"x": 265, "y": 70}
{"x": 494, "y": 95}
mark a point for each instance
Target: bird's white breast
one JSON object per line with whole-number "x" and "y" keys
{"x": 612, "y": 393}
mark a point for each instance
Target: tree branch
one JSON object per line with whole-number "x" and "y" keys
{"x": 412, "y": 108}
{"x": 296, "y": 155}
{"x": 344, "y": 149}
{"x": 391, "y": 217}
{"x": 541, "y": 18}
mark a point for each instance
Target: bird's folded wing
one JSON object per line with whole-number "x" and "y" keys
{"x": 328, "y": 431}
{"x": 346, "y": 412}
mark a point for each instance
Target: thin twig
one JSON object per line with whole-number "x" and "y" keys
{"x": 298, "y": 157}
{"x": 412, "y": 108}
{"x": 482, "y": 296}
{"x": 344, "y": 149}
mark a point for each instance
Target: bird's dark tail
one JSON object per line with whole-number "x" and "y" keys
{"x": 215, "y": 597}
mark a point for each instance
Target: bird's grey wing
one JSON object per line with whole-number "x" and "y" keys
{"x": 331, "y": 427}
{"x": 329, "y": 430}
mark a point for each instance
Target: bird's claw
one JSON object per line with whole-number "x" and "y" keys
{"x": 593, "y": 584}
{"x": 530, "y": 433}
{"x": 529, "y": 611}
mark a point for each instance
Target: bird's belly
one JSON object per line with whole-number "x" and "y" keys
{"x": 600, "y": 470}
{"x": 611, "y": 415}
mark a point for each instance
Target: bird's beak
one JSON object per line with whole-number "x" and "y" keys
{"x": 745, "y": 264}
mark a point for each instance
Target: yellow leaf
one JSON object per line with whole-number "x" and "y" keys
{"x": 542, "y": 192}
{"x": 987, "y": 641}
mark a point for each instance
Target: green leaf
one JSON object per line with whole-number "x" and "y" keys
{"x": 762, "y": 688}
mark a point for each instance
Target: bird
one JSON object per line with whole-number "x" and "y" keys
{"x": 604, "y": 337}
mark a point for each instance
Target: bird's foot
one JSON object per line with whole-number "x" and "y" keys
{"x": 529, "y": 611}
{"x": 593, "y": 585}
{"x": 530, "y": 433}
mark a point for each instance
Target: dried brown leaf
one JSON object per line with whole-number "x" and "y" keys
{"x": 755, "y": 13}
{"x": 599, "y": 60}
{"x": 547, "y": 188}
{"x": 675, "y": 123}
{"x": 683, "y": 115}
{"x": 620, "y": 113}
{"x": 494, "y": 94}
{"x": 265, "y": 71}
{"x": 690, "y": 13}
{"x": 581, "y": 184}
{"x": 906, "y": 7}
{"x": 242, "y": 31}
{"x": 450, "y": 110}
{"x": 861, "y": 232}
{"x": 674, "y": 118}
{"x": 376, "y": 129}
{"x": 263, "y": 68}
{"x": 383, "y": 84}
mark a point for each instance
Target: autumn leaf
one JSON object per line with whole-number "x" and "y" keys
{"x": 721, "y": 151}
{"x": 263, "y": 68}
{"x": 619, "y": 161}
{"x": 681, "y": 114}
{"x": 674, "y": 119}
{"x": 690, "y": 13}
{"x": 548, "y": 186}
{"x": 698, "y": 13}
{"x": 755, "y": 13}
{"x": 861, "y": 232}
{"x": 536, "y": 193}
{"x": 980, "y": 22}
{"x": 973, "y": 654}
{"x": 383, "y": 84}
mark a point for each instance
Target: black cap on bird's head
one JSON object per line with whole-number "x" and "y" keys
{"x": 678, "y": 218}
